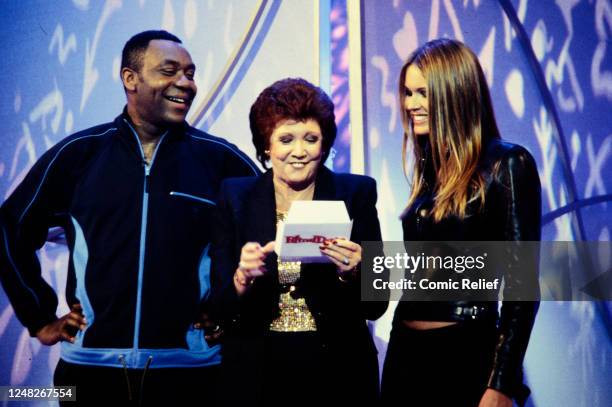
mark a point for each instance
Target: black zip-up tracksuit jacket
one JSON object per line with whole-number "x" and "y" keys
{"x": 138, "y": 236}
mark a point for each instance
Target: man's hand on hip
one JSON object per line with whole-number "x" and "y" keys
{"x": 64, "y": 328}
{"x": 212, "y": 330}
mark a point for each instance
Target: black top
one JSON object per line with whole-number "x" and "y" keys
{"x": 512, "y": 212}
{"x": 247, "y": 213}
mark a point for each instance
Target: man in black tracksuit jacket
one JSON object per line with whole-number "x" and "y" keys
{"x": 135, "y": 198}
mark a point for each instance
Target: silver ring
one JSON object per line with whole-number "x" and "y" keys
{"x": 346, "y": 261}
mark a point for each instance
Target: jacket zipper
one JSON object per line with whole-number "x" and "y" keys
{"x": 143, "y": 237}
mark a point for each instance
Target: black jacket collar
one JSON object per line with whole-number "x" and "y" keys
{"x": 262, "y": 205}
{"x": 127, "y": 132}
{"x": 125, "y": 123}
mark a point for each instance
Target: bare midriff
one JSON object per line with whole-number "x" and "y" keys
{"x": 425, "y": 325}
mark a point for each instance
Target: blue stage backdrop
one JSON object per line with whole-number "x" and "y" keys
{"x": 548, "y": 64}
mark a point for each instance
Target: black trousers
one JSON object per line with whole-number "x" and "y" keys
{"x": 295, "y": 372}
{"x": 446, "y": 367}
{"x": 96, "y": 385}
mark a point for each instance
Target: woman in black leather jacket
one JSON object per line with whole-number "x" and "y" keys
{"x": 467, "y": 185}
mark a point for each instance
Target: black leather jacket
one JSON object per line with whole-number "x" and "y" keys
{"x": 512, "y": 212}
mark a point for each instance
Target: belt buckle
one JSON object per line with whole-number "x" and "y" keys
{"x": 474, "y": 311}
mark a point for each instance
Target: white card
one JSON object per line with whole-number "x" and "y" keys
{"x": 307, "y": 225}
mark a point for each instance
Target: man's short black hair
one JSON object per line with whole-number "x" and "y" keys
{"x": 134, "y": 49}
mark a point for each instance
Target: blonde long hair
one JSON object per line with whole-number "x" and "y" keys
{"x": 461, "y": 122}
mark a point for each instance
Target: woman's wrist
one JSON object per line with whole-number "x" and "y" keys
{"x": 242, "y": 282}
{"x": 346, "y": 276}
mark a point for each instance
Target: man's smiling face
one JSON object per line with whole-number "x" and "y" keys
{"x": 165, "y": 87}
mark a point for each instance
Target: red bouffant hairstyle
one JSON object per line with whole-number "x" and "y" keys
{"x": 291, "y": 99}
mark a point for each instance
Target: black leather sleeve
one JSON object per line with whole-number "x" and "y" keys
{"x": 518, "y": 183}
